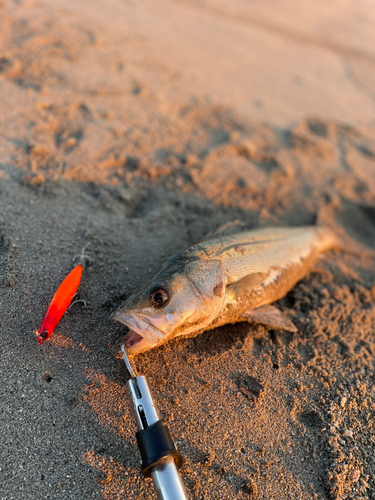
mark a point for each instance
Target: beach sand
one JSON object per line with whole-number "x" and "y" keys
{"x": 132, "y": 131}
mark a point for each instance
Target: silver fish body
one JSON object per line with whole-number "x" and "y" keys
{"x": 227, "y": 279}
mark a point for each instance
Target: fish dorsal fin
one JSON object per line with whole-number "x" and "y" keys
{"x": 270, "y": 316}
{"x": 248, "y": 283}
{"x": 233, "y": 227}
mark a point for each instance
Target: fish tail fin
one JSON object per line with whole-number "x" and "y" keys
{"x": 328, "y": 238}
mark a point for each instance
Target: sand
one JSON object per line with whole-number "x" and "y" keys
{"x": 133, "y": 130}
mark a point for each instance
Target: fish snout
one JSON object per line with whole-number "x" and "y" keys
{"x": 136, "y": 324}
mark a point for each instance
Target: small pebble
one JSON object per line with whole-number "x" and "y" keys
{"x": 354, "y": 476}
{"x": 343, "y": 401}
{"x": 348, "y": 433}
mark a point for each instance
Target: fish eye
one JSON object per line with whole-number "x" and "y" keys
{"x": 159, "y": 297}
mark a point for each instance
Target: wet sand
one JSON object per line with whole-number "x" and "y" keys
{"x": 133, "y": 131}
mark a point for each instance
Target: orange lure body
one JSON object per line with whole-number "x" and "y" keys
{"x": 59, "y": 303}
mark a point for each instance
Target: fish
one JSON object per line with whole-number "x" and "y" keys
{"x": 227, "y": 279}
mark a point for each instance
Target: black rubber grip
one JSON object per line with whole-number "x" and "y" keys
{"x": 156, "y": 445}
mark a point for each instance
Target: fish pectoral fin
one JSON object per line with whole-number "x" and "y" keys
{"x": 236, "y": 226}
{"x": 270, "y": 316}
{"x": 248, "y": 283}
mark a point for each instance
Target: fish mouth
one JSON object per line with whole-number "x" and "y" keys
{"x": 142, "y": 335}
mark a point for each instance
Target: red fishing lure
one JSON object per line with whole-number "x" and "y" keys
{"x": 59, "y": 303}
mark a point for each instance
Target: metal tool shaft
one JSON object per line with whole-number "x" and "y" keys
{"x": 167, "y": 482}
{"x": 165, "y": 475}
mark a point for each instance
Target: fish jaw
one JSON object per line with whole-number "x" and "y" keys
{"x": 140, "y": 330}
{"x": 135, "y": 344}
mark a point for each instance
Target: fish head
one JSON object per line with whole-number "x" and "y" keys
{"x": 182, "y": 298}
